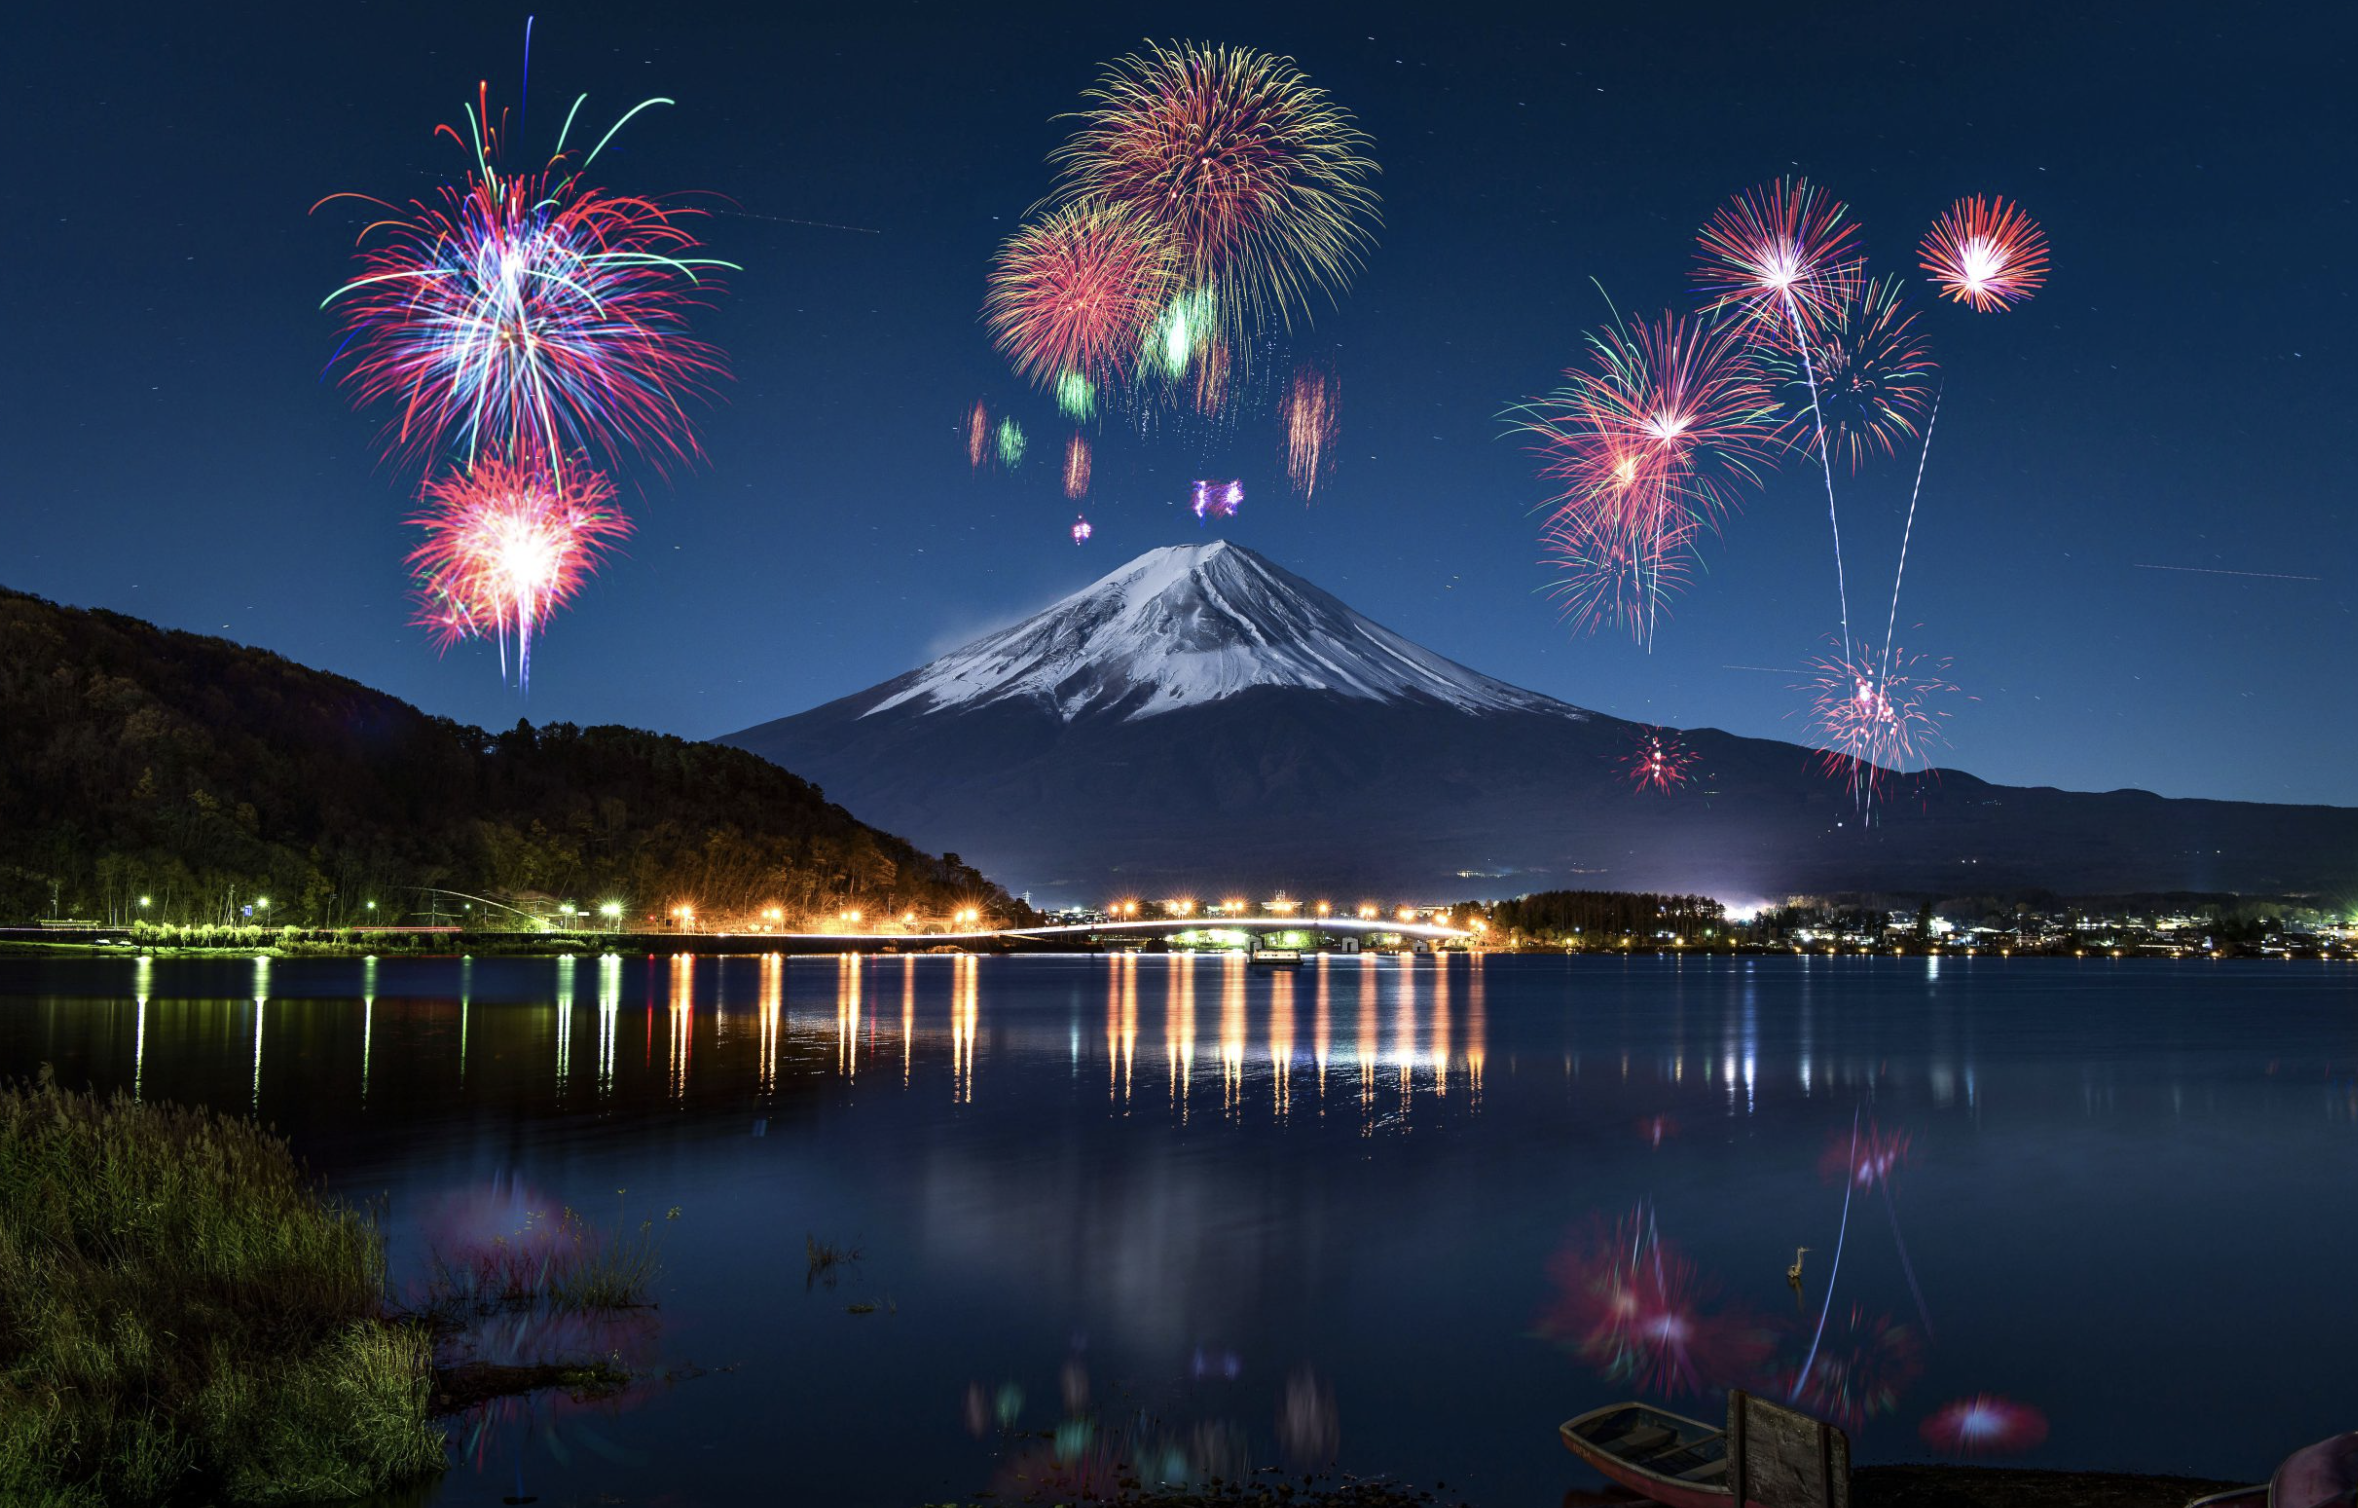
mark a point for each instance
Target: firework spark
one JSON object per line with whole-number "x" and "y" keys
{"x": 1874, "y": 716}
{"x": 1076, "y": 397}
{"x": 1217, "y": 499}
{"x": 1786, "y": 252}
{"x": 1072, "y": 293}
{"x": 1658, "y": 762}
{"x": 1081, "y": 531}
{"x": 1985, "y": 252}
{"x": 1864, "y": 1367}
{"x": 1985, "y": 1424}
{"x": 1257, "y": 179}
{"x": 507, "y": 544}
{"x": 529, "y": 313}
{"x": 1651, "y": 443}
{"x": 1076, "y": 467}
{"x": 1010, "y": 443}
{"x": 1312, "y": 419}
{"x": 1874, "y": 376}
{"x": 1631, "y": 1305}
{"x": 978, "y": 434}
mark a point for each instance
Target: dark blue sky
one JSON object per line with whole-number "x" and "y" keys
{"x": 2180, "y": 395}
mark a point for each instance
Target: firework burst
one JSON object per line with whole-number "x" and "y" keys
{"x": 1081, "y": 531}
{"x": 1987, "y": 253}
{"x": 1256, "y": 178}
{"x": 1874, "y": 376}
{"x": 1072, "y": 293}
{"x": 1076, "y": 467}
{"x": 1874, "y": 716}
{"x": 1786, "y": 252}
{"x": 1216, "y": 499}
{"x": 507, "y": 544}
{"x": 1658, "y": 761}
{"x": 1862, "y": 1369}
{"x": 1009, "y": 441}
{"x": 978, "y": 434}
{"x": 1312, "y": 420}
{"x": 1632, "y": 1306}
{"x": 529, "y": 313}
{"x": 1985, "y": 1424}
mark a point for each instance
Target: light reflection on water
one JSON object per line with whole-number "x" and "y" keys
{"x": 2117, "y": 1181}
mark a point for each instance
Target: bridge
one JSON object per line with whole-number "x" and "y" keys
{"x": 1315, "y": 931}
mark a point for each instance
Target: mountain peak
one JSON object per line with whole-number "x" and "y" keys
{"x": 1186, "y": 625}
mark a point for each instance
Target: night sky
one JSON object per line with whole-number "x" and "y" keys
{"x": 2180, "y": 395}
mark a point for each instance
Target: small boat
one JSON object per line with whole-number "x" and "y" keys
{"x": 2324, "y": 1475}
{"x": 1676, "y": 1461}
{"x": 1276, "y": 958}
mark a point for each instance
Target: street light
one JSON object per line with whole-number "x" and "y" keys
{"x": 143, "y": 903}
{"x": 611, "y": 910}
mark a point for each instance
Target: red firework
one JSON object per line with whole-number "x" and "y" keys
{"x": 1872, "y": 715}
{"x": 1311, "y": 423}
{"x": 1633, "y": 1306}
{"x": 1786, "y": 252}
{"x": 1985, "y": 1424}
{"x": 1659, "y": 761}
{"x": 978, "y": 435}
{"x": 507, "y": 544}
{"x": 1074, "y": 292}
{"x": 1076, "y": 467}
{"x": 529, "y": 313}
{"x": 1861, "y": 1369}
{"x": 1870, "y": 1158}
{"x": 1986, "y": 252}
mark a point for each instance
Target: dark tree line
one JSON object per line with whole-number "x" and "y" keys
{"x": 202, "y": 774}
{"x": 1552, "y": 915}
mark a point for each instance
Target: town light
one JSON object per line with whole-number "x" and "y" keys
{"x": 143, "y": 902}
{"x": 610, "y": 910}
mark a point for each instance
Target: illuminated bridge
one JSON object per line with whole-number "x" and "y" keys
{"x": 1208, "y": 933}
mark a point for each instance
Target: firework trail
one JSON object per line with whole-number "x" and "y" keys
{"x": 1081, "y": 530}
{"x": 1076, "y": 467}
{"x": 1312, "y": 420}
{"x": 529, "y": 312}
{"x": 1809, "y": 1362}
{"x": 1985, "y": 252}
{"x": 1255, "y": 177}
{"x": 978, "y": 435}
{"x": 1659, "y": 762}
{"x": 1071, "y": 294}
{"x": 1891, "y": 624}
{"x": 1871, "y": 1164}
{"x": 1786, "y": 251}
{"x": 507, "y": 544}
{"x": 1874, "y": 373}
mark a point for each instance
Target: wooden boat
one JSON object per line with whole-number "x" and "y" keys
{"x": 1676, "y": 1461}
{"x": 2324, "y": 1475}
{"x": 1768, "y": 1456}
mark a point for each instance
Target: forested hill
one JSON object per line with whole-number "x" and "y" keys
{"x": 201, "y": 773}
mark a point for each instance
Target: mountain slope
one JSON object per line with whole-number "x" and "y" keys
{"x": 137, "y": 761}
{"x": 1202, "y": 721}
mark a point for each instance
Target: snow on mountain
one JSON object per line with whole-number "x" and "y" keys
{"x": 1188, "y": 625}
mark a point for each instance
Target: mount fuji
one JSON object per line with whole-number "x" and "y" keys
{"x": 1203, "y": 721}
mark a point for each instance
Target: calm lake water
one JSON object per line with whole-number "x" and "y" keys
{"x": 1361, "y": 1211}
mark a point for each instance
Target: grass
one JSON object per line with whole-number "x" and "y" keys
{"x": 182, "y": 1318}
{"x": 563, "y": 1265}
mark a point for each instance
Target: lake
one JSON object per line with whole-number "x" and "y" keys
{"x": 1376, "y": 1210}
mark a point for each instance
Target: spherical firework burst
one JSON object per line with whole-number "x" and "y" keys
{"x": 1861, "y": 1369}
{"x": 1312, "y": 419}
{"x": 1076, "y": 467}
{"x": 529, "y": 313}
{"x": 1658, "y": 761}
{"x": 1073, "y": 292}
{"x": 1985, "y": 1424}
{"x": 1081, "y": 531}
{"x": 1874, "y": 376}
{"x": 1873, "y": 715}
{"x": 1650, "y": 444}
{"x": 1257, "y": 179}
{"x": 1786, "y": 252}
{"x": 1632, "y": 1306}
{"x": 1986, "y": 252}
{"x": 507, "y": 544}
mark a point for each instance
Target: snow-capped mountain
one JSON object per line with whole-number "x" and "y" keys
{"x": 1188, "y": 625}
{"x": 1203, "y": 722}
